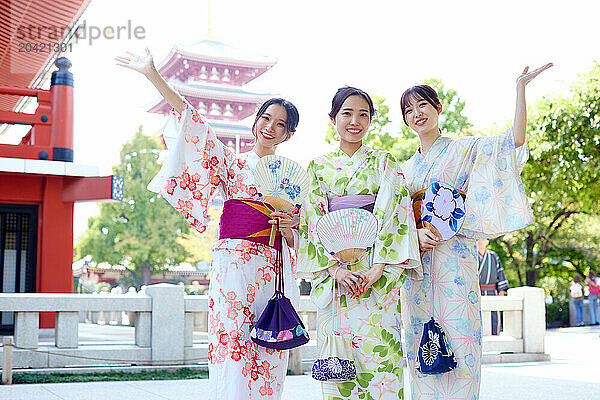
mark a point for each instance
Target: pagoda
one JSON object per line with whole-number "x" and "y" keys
{"x": 211, "y": 76}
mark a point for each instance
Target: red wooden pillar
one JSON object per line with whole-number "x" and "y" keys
{"x": 56, "y": 247}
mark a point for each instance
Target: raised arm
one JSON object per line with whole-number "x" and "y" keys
{"x": 145, "y": 65}
{"x": 520, "y": 122}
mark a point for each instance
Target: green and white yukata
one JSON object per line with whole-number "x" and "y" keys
{"x": 373, "y": 326}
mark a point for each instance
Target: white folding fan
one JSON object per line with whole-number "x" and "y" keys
{"x": 282, "y": 183}
{"x": 347, "y": 234}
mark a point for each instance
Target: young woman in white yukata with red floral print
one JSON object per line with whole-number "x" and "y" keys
{"x": 243, "y": 267}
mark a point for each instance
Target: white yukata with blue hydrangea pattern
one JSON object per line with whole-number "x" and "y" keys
{"x": 488, "y": 170}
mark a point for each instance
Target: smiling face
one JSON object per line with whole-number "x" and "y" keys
{"x": 353, "y": 119}
{"x": 270, "y": 128}
{"x": 421, "y": 116}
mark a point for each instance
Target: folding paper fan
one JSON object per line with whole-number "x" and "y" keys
{"x": 347, "y": 233}
{"x": 282, "y": 183}
{"x": 443, "y": 210}
{"x": 282, "y": 178}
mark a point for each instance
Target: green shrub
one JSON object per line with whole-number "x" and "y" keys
{"x": 557, "y": 313}
{"x": 182, "y": 373}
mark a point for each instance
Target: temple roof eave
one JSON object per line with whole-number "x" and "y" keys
{"x": 228, "y": 60}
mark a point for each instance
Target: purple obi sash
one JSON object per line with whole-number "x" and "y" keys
{"x": 363, "y": 201}
{"x": 248, "y": 220}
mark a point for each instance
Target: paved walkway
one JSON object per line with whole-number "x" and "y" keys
{"x": 574, "y": 369}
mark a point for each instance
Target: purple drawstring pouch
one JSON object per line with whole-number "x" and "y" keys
{"x": 279, "y": 326}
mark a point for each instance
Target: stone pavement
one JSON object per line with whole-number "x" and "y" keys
{"x": 573, "y": 373}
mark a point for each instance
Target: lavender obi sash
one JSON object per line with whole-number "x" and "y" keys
{"x": 248, "y": 220}
{"x": 363, "y": 201}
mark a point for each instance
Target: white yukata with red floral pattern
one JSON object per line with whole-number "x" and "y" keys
{"x": 242, "y": 281}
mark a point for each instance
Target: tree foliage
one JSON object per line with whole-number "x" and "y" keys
{"x": 561, "y": 177}
{"x": 199, "y": 245}
{"x": 452, "y": 120}
{"x": 141, "y": 231}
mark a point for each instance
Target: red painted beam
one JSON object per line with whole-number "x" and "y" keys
{"x": 93, "y": 188}
{"x": 21, "y": 188}
{"x": 20, "y": 91}
{"x": 11, "y": 117}
{"x": 25, "y": 151}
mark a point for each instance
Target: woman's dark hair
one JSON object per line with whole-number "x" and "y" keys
{"x": 415, "y": 93}
{"x": 577, "y": 278}
{"x": 292, "y": 118}
{"x": 343, "y": 93}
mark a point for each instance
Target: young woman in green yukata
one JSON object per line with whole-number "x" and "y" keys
{"x": 486, "y": 170}
{"x": 356, "y": 176}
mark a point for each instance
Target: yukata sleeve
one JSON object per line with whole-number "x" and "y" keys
{"x": 312, "y": 256}
{"x": 501, "y": 281}
{"x": 396, "y": 245}
{"x": 196, "y": 166}
{"x": 313, "y": 259}
{"x": 490, "y": 174}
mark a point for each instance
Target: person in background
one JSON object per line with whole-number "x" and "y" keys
{"x": 492, "y": 281}
{"x": 195, "y": 288}
{"x": 594, "y": 286}
{"x": 576, "y": 294}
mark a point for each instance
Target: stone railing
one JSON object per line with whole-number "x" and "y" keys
{"x": 524, "y": 321}
{"x": 164, "y": 313}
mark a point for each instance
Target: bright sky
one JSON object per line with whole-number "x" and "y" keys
{"x": 476, "y": 47}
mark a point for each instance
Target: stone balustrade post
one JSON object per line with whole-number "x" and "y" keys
{"x": 168, "y": 323}
{"x": 534, "y": 317}
{"x": 189, "y": 329}
{"x": 295, "y": 361}
{"x": 486, "y": 323}
{"x": 513, "y": 324}
{"x": 27, "y": 326}
{"x": 67, "y": 329}
{"x": 143, "y": 329}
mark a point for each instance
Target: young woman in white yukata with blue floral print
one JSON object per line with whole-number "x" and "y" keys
{"x": 486, "y": 170}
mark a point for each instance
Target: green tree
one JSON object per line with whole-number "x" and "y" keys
{"x": 142, "y": 230}
{"x": 199, "y": 245}
{"x": 561, "y": 177}
{"x": 451, "y": 121}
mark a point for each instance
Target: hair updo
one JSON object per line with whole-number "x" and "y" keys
{"x": 343, "y": 93}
